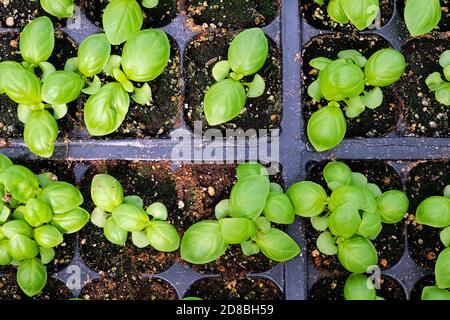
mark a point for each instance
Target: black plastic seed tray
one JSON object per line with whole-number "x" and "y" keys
{"x": 397, "y": 150}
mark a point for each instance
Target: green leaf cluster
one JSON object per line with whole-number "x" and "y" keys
{"x": 439, "y": 86}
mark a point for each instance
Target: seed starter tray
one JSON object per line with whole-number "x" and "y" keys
{"x": 290, "y": 31}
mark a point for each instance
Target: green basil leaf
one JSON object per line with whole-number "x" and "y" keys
{"x": 241, "y": 205}
{"x": 58, "y": 8}
{"x": 263, "y": 224}
{"x": 434, "y": 212}
{"x": 336, "y": 12}
{"x": 37, "y": 213}
{"x": 355, "y": 106}
{"x": 224, "y": 101}
{"x": 248, "y": 51}
{"x": 373, "y": 99}
{"x": 114, "y": 233}
{"x": 277, "y": 245}
{"x": 106, "y": 192}
{"x": 48, "y": 236}
{"x": 359, "y": 287}
{"x": 221, "y": 209}
{"x": 308, "y": 198}
{"x": 21, "y": 247}
{"x": 344, "y": 221}
{"x": 361, "y": 13}
{"x": 47, "y": 254}
{"x": 422, "y": 16}
{"x": 337, "y": 172}
{"x": 237, "y": 230}
{"x": 135, "y": 201}
{"x": 41, "y": 132}
{"x": 94, "y": 86}
{"x": 32, "y": 277}
{"x": 357, "y": 254}
{"x": 21, "y": 86}
{"x": 371, "y": 225}
{"x": 37, "y": 40}
{"x": 442, "y": 270}
{"x": 20, "y": 182}
{"x": 354, "y": 56}
{"x": 279, "y": 209}
{"x": 93, "y": 54}
{"x": 250, "y": 169}
{"x": 433, "y": 81}
{"x": 62, "y": 87}
{"x": 319, "y": 223}
{"x": 19, "y": 213}
{"x": 120, "y": 77}
{"x": 447, "y": 73}
{"x": 105, "y": 111}
{"x": 140, "y": 239}
{"x": 158, "y": 211}
{"x": 275, "y": 188}
{"x": 326, "y": 244}
{"x": 59, "y": 111}
{"x": 14, "y": 227}
{"x": 443, "y": 94}
{"x": 142, "y": 95}
{"x": 4, "y": 73}
{"x": 221, "y": 70}
{"x": 434, "y": 293}
{"x": 130, "y": 217}
{"x": 444, "y": 59}
{"x": 314, "y": 90}
{"x": 445, "y": 236}
{"x": 392, "y": 206}
{"x": 163, "y": 236}
{"x": 348, "y": 194}
{"x": 46, "y": 178}
{"x": 5, "y": 258}
{"x": 384, "y": 67}
{"x": 72, "y": 221}
{"x": 150, "y": 3}
{"x": 358, "y": 179}
{"x": 5, "y": 162}
{"x": 114, "y": 62}
{"x": 99, "y": 217}
{"x": 249, "y": 248}
{"x": 47, "y": 69}
{"x": 146, "y": 55}
{"x": 122, "y": 19}
{"x": 61, "y": 196}
{"x": 326, "y": 128}
{"x": 374, "y": 189}
{"x": 203, "y": 243}
{"x": 320, "y": 63}
{"x": 257, "y": 87}
{"x": 340, "y": 80}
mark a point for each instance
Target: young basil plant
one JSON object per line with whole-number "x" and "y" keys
{"x": 350, "y": 217}
{"x": 360, "y": 287}
{"x": 119, "y": 216}
{"x": 435, "y": 212}
{"x": 246, "y": 220}
{"x": 226, "y": 99}
{"x": 353, "y": 81}
{"x": 58, "y": 8}
{"x": 436, "y": 84}
{"x": 421, "y": 16}
{"x": 35, "y": 213}
{"x": 361, "y": 13}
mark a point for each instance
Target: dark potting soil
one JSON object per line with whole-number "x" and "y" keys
{"x": 332, "y": 289}
{"x": 153, "y": 182}
{"x": 425, "y": 179}
{"x": 224, "y": 288}
{"x": 54, "y": 290}
{"x": 423, "y": 114}
{"x": 65, "y": 48}
{"x": 444, "y": 23}
{"x": 317, "y": 16}
{"x": 235, "y": 14}
{"x": 128, "y": 287}
{"x": 371, "y": 123}
{"x": 159, "y": 116}
{"x": 416, "y": 292}
{"x": 201, "y": 55}
{"x": 160, "y": 16}
{"x": 389, "y": 243}
{"x": 17, "y": 13}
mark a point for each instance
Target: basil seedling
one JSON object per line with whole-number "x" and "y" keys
{"x": 35, "y": 213}
{"x": 246, "y": 220}
{"x": 226, "y": 99}
{"x": 360, "y": 13}
{"x": 435, "y": 212}
{"x": 350, "y": 217}
{"x": 435, "y": 82}
{"x": 354, "y": 81}
{"x": 119, "y": 215}
{"x": 58, "y": 8}
{"x": 422, "y": 16}
{"x": 360, "y": 287}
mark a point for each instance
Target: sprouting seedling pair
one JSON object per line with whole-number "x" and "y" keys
{"x": 353, "y": 80}
{"x": 350, "y": 217}
{"x": 226, "y": 99}
{"x": 119, "y": 215}
{"x": 436, "y": 84}
{"x": 360, "y": 13}
{"x": 435, "y": 212}
{"x": 35, "y": 213}
{"x": 244, "y": 219}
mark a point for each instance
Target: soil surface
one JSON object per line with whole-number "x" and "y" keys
{"x": 251, "y": 288}
{"x": 160, "y": 16}
{"x": 128, "y": 288}
{"x": 17, "y": 13}
{"x": 389, "y": 243}
{"x": 232, "y": 14}
{"x": 425, "y": 179}
{"x": 371, "y": 123}
{"x": 54, "y": 290}
{"x": 159, "y": 116}
{"x": 317, "y": 16}
{"x": 259, "y": 113}
{"x": 423, "y": 114}
{"x": 333, "y": 289}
